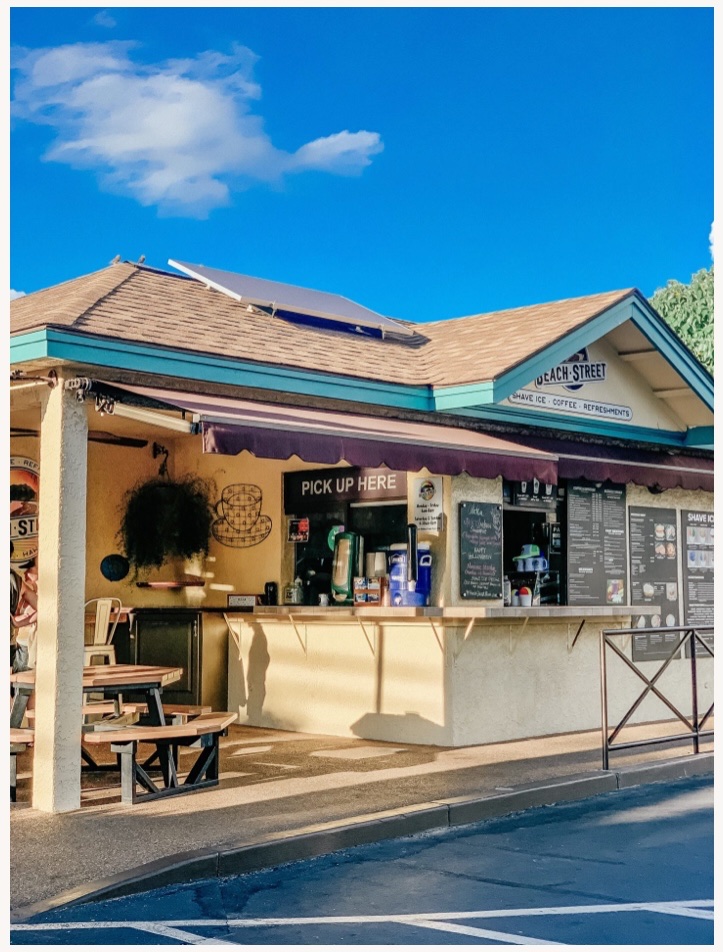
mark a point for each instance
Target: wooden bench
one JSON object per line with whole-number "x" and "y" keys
{"x": 20, "y": 739}
{"x": 178, "y": 713}
{"x": 102, "y": 707}
{"x": 202, "y": 732}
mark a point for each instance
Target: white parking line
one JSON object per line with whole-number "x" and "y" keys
{"x": 189, "y": 938}
{"x": 442, "y": 921}
{"x": 507, "y": 937}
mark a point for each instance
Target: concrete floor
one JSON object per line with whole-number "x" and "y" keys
{"x": 276, "y": 784}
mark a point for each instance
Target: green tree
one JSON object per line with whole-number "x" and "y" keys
{"x": 688, "y": 309}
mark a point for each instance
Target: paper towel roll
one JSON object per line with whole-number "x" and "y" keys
{"x": 376, "y": 564}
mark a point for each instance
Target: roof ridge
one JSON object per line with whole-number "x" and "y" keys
{"x": 64, "y": 305}
{"x": 132, "y": 269}
{"x": 623, "y": 292}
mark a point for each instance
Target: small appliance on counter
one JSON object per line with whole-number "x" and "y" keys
{"x": 348, "y": 563}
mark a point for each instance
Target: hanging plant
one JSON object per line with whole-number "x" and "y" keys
{"x": 166, "y": 519}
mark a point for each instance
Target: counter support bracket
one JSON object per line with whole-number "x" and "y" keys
{"x": 302, "y": 641}
{"x": 577, "y": 635}
{"x": 372, "y": 647}
{"x": 467, "y": 633}
{"x": 235, "y": 637}
{"x": 436, "y": 635}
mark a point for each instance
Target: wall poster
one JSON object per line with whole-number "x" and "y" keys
{"x": 596, "y": 546}
{"x": 428, "y": 503}
{"x": 654, "y": 545}
{"x": 24, "y": 499}
{"x": 698, "y": 584}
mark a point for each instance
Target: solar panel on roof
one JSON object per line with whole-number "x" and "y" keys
{"x": 288, "y": 298}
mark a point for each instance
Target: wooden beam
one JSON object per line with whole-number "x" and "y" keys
{"x": 633, "y": 355}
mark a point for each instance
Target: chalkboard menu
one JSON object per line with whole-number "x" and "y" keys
{"x": 654, "y": 580}
{"x": 596, "y": 545}
{"x": 480, "y": 550}
{"x": 698, "y": 586}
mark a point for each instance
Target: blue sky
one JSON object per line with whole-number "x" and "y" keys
{"x": 427, "y": 163}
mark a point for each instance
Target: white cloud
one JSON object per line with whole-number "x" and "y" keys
{"x": 16, "y": 294}
{"x": 177, "y": 134}
{"x": 711, "y": 239}
{"x": 104, "y": 18}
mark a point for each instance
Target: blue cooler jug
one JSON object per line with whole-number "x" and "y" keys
{"x": 399, "y": 590}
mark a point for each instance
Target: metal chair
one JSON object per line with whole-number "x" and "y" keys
{"x": 103, "y": 630}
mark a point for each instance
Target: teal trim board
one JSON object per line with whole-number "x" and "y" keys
{"x": 25, "y": 347}
{"x": 490, "y": 392}
{"x": 588, "y": 333}
{"x": 573, "y": 424}
{"x": 701, "y": 436}
{"x": 470, "y": 395}
{"x": 186, "y": 366}
{"x": 674, "y": 351}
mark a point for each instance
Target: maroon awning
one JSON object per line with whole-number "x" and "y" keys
{"x": 655, "y": 468}
{"x": 274, "y": 431}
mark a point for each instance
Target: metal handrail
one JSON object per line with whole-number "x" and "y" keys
{"x": 690, "y": 634}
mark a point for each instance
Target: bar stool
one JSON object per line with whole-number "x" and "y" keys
{"x": 103, "y": 630}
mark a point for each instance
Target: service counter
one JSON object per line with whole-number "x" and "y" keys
{"x": 447, "y": 676}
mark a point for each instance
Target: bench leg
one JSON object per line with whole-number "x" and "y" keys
{"x": 206, "y": 762}
{"x": 17, "y": 711}
{"x": 204, "y": 772}
{"x": 132, "y": 773}
{"x": 167, "y": 754}
{"x": 13, "y": 777}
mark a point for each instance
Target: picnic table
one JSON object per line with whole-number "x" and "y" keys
{"x": 110, "y": 680}
{"x": 113, "y": 681}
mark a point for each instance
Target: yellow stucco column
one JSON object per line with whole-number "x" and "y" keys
{"x": 61, "y": 595}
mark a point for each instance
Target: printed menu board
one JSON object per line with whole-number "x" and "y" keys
{"x": 480, "y": 550}
{"x": 596, "y": 545}
{"x": 698, "y": 586}
{"x": 654, "y": 580}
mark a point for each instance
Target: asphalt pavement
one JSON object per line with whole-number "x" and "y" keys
{"x": 631, "y": 867}
{"x": 285, "y": 797}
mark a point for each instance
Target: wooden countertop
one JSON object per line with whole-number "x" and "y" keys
{"x": 461, "y": 612}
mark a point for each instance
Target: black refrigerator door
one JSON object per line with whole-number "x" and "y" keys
{"x": 172, "y": 639}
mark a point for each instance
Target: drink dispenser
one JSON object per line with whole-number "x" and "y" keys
{"x": 348, "y": 563}
{"x": 404, "y": 589}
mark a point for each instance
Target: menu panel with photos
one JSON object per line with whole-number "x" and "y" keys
{"x": 698, "y": 579}
{"x": 596, "y": 553}
{"x": 654, "y": 580}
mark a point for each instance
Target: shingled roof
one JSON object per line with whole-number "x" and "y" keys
{"x": 133, "y": 303}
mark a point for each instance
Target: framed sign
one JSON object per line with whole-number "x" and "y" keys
{"x": 428, "y": 503}
{"x": 297, "y": 530}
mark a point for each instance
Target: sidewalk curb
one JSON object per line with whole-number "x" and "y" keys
{"x": 319, "y": 839}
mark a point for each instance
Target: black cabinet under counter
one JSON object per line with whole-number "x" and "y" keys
{"x": 187, "y": 638}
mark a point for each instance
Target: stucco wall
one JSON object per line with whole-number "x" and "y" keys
{"x": 383, "y": 681}
{"x": 422, "y": 682}
{"x": 509, "y": 682}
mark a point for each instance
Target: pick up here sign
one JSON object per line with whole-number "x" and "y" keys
{"x": 318, "y": 490}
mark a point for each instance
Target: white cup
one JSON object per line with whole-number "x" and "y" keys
{"x": 323, "y": 600}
